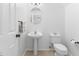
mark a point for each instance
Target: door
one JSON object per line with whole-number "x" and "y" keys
{"x": 9, "y": 43}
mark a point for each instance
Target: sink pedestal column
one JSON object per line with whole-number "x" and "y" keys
{"x": 35, "y": 36}
{"x": 35, "y": 46}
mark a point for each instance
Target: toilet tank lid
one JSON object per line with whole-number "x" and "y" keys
{"x": 55, "y": 34}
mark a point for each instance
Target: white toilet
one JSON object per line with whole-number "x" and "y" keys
{"x": 61, "y": 50}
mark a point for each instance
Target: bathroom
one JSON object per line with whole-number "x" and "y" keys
{"x": 16, "y": 22}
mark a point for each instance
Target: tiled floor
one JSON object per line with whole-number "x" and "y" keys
{"x": 50, "y": 52}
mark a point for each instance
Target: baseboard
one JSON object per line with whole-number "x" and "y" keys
{"x": 40, "y": 50}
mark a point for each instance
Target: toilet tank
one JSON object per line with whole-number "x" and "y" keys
{"x": 55, "y": 38}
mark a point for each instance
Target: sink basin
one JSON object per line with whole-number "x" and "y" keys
{"x": 35, "y": 34}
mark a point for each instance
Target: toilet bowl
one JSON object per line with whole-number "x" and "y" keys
{"x": 61, "y": 50}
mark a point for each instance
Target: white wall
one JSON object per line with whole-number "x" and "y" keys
{"x": 53, "y": 20}
{"x": 0, "y": 18}
{"x": 72, "y": 26}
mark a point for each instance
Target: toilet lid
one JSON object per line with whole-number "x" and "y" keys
{"x": 60, "y": 47}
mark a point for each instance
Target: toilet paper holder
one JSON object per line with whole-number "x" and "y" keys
{"x": 75, "y": 41}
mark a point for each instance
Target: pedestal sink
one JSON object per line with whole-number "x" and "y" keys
{"x": 35, "y": 35}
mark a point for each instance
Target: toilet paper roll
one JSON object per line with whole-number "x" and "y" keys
{"x": 72, "y": 42}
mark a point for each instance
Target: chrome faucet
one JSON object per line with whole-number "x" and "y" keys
{"x": 35, "y": 32}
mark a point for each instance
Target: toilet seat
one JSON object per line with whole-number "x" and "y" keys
{"x": 60, "y": 47}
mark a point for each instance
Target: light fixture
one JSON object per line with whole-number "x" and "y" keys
{"x": 36, "y": 4}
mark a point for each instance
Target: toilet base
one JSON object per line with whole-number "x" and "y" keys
{"x": 57, "y": 54}
{"x": 61, "y": 50}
